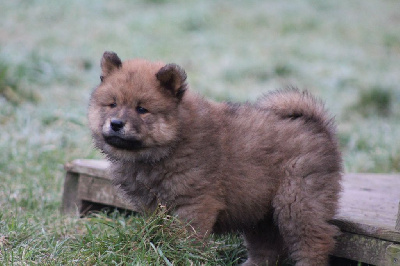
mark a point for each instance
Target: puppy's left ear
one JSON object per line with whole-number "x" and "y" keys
{"x": 173, "y": 78}
{"x": 109, "y": 63}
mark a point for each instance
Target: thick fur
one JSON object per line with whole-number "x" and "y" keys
{"x": 270, "y": 170}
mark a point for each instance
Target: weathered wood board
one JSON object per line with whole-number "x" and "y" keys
{"x": 369, "y": 213}
{"x": 370, "y": 198}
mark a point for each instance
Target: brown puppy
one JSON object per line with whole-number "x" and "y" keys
{"x": 270, "y": 170}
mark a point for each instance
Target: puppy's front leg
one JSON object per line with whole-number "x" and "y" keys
{"x": 201, "y": 216}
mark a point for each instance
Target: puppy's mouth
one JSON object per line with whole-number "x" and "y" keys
{"x": 123, "y": 143}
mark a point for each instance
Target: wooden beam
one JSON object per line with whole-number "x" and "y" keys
{"x": 97, "y": 168}
{"x": 71, "y": 204}
{"x": 100, "y": 190}
{"x": 362, "y": 248}
{"x": 374, "y": 231}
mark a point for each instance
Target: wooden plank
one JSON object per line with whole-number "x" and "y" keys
{"x": 96, "y": 168}
{"x": 362, "y": 248}
{"x": 388, "y": 234}
{"x": 101, "y": 191}
{"x": 71, "y": 204}
{"x": 370, "y": 199}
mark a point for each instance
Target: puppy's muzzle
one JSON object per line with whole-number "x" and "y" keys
{"x": 116, "y": 137}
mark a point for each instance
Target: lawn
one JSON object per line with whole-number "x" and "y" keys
{"x": 345, "y": 52}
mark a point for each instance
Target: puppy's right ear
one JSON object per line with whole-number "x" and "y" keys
{"x": 173, "y": 78}
{"x": 109, "y": 63}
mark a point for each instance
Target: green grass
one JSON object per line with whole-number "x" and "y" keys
{"x": 376, "y": 101}
{"x": 112, "y": 239}
{"x": 345, "y": 52}
{"x": 10, "y": 84}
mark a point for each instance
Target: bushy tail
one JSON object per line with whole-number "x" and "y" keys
{"x": 295, "y": 104}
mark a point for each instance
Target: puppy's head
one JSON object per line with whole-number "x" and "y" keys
{"x": 133, "y": 113}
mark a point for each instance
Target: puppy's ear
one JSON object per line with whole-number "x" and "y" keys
{"x": 173, "y": 78}
{"x": 109, "y": 63}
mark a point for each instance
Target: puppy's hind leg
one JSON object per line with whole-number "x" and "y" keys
{"x": 264, "y": 245}
{"x": 302, "y": 217}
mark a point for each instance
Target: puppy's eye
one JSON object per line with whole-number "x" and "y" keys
{"x": 141, "y": 110}
{"x": 113, "y": 105}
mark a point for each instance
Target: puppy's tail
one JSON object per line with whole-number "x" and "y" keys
{"x": 294, "y": 104}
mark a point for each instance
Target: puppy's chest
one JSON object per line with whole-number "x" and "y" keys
{"x": 152, "y": 185}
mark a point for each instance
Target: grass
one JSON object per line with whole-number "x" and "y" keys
{"x": 10, "y": 84}
{"x": 345, "y": 52}
{"x": 375, "y": 101}
{"x": 114, "y": 238}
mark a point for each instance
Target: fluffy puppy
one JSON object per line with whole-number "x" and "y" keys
{"x": 270, "y": 169}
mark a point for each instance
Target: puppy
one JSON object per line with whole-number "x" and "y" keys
{"x": 270, "y": 169}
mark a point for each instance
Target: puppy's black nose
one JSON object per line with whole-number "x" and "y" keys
{"x": 116, "y": 124}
